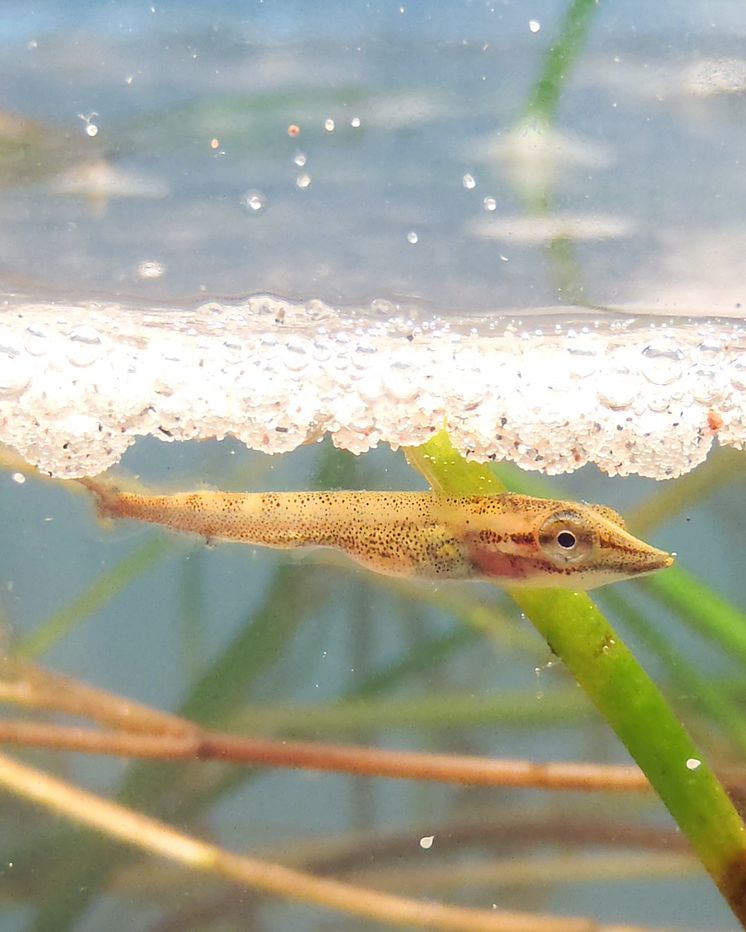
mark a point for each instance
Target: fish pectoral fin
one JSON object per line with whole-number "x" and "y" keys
{"x": 442, "y": 554}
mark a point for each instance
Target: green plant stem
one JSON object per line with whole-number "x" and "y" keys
{"x": 724, "y": 465}
{"x": 101, "y": 590}
{"x": 701, "y": 608}
{"x": 560, "y": 58}
{"x": 577, "y": 632}
{"x": 693, "y": 602}
{"x": 434, "y": 711}
{"x": 424, "y": 657}
{"x": 701, "y": 692}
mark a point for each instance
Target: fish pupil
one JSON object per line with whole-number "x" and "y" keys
{"x": 566, "y": 540}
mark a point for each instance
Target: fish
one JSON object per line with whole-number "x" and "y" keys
{"x": 513, "y": 540}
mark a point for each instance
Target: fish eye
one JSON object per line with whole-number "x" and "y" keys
{"x": 566, "y": 537}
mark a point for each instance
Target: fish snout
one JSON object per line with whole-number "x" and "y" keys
{"x": 639, "y": 556}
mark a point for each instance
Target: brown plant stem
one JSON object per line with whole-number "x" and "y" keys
{"x": 30, "y": 686}
{"x": 500, "y": 836}
{"x": 156, "y": 837}
{"x": 482, "y": 829}
{"x": 530, "y": 872}
{"x": 200, "y": 744}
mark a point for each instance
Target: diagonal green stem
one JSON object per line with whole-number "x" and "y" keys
{"x": 699, "y": 689}
{"x": 621, "y": 690}
{"x": 701, "y": 608}
{"x": 101, "y": 590}
{"x": 723, "y": 465}
{"x": 560, "y": 58}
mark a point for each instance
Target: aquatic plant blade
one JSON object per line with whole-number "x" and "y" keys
{"x": 560, "y": 58}
{"x": 700, "y": 690}
{"x": 578, "y": 633}
{"x": 701, "y": 608}
{"x": 92, "y": 599}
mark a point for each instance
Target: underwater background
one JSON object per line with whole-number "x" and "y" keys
{"x": 358, "y": 153}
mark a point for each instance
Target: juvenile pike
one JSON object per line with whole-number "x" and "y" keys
{"x": 514, "y": 540}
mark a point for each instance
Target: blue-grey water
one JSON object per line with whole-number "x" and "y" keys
{"x": 148, "y": 150}
{"x": 654, "y": 107}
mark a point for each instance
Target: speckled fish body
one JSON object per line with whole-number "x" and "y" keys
{"x": 514, "y": 540}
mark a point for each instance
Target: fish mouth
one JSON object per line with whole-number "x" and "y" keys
{"x": 656, "y": 560}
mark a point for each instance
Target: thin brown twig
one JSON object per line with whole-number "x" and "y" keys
{"x": 215, "y": 910}
{"x": 341, "y": 854}
{"x": 531, "y": 872}
{"x": 149, "y": 733}
{"x": 159, "y": 838}
{"x": 28, "y": 685}
{"x": 402, "y": 765}
{"x": 498, "y": 835}
{"x": 354, "y": 853}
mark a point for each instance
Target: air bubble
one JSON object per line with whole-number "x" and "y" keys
{"x": 370, "y": 389}
{"x": 534, "y": 25}
{"x": 706, "y": 388}
{"x": 364, "y": 351}
{"x": 295, "y": 356}
{"x": 36, "y": 341}
{"x": 355, "y": 122}
{"x": 738, "y": 374}
{"x": 303, "y": 181}
{"x": 85, "y": 345}
{"x": 383, "y": 307}
{"x": 469, "y": 182}
{"x": 658, "y": 404}
{"x": 662, "y": 362}
{"x": 300, "y": 159}
{"x": 412, "y": 238}
{"x": 340, "y": 361}
{"x": 329, "y": 125}
{"x": 618, "y": 392}
{"x": 710, "y": 346}
{"x": 254, "y": 202}
{"x": 15, "y": 374}
{"x": 268, "y": 344}
{"x": 322, "y": 350}
{"x": 399, "y": 386}
{"x": 315, "y": 309}
{"x": 490, "y": 204}
{"x": 150, "y": 268}
{"x": 584, "y": 361}
{"x": 8, "y": 344}
{"x": 236, "y": 352}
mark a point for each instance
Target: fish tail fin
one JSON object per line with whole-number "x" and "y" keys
{"x": 106, "y": 497}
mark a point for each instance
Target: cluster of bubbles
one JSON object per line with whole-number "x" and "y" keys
{"x": 77, "y": 384}
{"x": 255, "y": 201}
